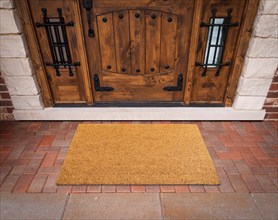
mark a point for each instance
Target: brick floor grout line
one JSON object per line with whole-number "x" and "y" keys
{"x": 6, "y": 176}
{"x": 66, "y": 204}
{"x": 256, "y": 205}
{"x": 161, "y": 207}
{"x": 12, "y": 190}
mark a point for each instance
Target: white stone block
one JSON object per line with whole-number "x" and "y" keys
{"x": 23, "y": 85}
{"x": 13, "y": 46}
{"x": 260, "y": 48}
{"x": 27, "y": 102}
{"x": 16, "y": 66}
{"x": 270, "y": 7}
{"x": 10, "y": 23}
{"x": 266, "y": 26}
{"x": 259, "y": 67}
{"x": 253, "y": 86}
{"x": 248, "y": 102}
{"x": 149, "y": 113}
{"x": 6, "y": 4}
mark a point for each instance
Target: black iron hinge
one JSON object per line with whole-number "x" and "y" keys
{"x": 99, "y": 88}
{"x": 175, "y": 88}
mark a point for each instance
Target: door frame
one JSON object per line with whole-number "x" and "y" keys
{"x": 241, "y": 47}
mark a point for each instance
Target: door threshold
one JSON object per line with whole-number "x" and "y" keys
{"x": 125, "y": 104}
{"x": 139, "y": 104}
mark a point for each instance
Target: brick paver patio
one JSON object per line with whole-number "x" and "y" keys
{"x": 244, "y": 153}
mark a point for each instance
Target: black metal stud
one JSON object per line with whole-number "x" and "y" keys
{"x": 153, "y": 16}
{"x": 123, "y": 69}
{"x": 152, "y": 69}
{"x": 104, "y": 20}
{"x": 137, "y": 15}
{"x": 137, "y": 70}
{"x": 170, "y": 19}
{"x": 121, "y": 16}
{"x": 109, "y": 67}
{"x": 167, "y": 67}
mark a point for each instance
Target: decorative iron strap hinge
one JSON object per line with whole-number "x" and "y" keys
{"x": 88, "y": 5}
{"x": 99, "y": 88}
{"x": 175, "y": 88}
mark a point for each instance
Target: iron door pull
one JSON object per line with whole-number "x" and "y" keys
{"x": 99, "y": 88}
{"x": 87, "y": 4}
{"x": 175, "y": 88}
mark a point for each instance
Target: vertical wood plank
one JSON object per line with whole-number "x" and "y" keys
{"x": 85, "y": 81}
{"x": 122, "y": 43}
{"x": 168, "y": 41}
{"x": 137, "y": 41}
{"x": 107, "y": 43}
{"x": 153, "y": 33}
{"x": 193, "y": 50}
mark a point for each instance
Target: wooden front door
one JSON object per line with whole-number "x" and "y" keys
{"x": 139, "y": 49}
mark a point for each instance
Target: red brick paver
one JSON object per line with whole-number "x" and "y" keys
{"x": 245, "y": 155}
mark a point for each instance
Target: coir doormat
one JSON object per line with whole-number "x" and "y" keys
{"x": 137, "y": 154}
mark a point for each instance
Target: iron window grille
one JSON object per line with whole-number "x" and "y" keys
{"x": 58, "y": 41}
{"x": 217, "y": 35}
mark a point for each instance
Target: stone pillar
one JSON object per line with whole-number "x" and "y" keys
{"x": 261, "y": 59}
{"x": 15, "y": 64}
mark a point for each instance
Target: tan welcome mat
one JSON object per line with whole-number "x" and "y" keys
{"x": 138, "y": 154}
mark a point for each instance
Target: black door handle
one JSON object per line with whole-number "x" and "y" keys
{"x": 88, "y": 4}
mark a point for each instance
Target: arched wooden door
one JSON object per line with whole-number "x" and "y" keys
{"x": 138, "y": 50}
{"x": 141, "y": 51}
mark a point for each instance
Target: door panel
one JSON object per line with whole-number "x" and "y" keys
{"x": 211, "y": 88}
{"x": 143, "y": 48}
{"x": 61, "y": 49}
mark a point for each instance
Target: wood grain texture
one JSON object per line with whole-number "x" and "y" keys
{"x": 82, "y": 56}
{"x": 168, "y": 41}
{"x": 122, "y": 42}
{"x": 137, "y": 41}
{"x": 193, "y": 50}
{"x": 153, "y": 35}
{"x": 107, "y": 42}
